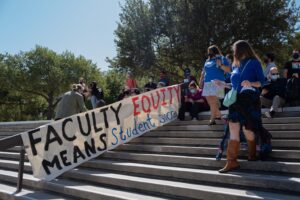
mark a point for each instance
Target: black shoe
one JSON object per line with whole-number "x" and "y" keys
{"x": 211, "y": 122}
{"x": 272, "y": 113}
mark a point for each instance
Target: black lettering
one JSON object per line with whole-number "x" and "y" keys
{"x": 55, "y": 162}
{"x": 77, "y": 154}
{"x": 103, "y": 110}
{"x": 64, "y": 130}
{"x": 88, "y": 125}
{"x": 103, "y": 140}
{"x": 90, "y": 148}
{"x": 64, "y": 158}
{"x": 49, "y": 140}
{"x": 33, "y": 141}
{"x": 96, "y": 129}
{"x": 117, "y": 112}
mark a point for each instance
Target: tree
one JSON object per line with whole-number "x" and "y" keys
{"x": 173, "y": 34}
{"x": 45, "y": 74}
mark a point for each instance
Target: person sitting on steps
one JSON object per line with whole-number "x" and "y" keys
{"x": 273, "y": 94}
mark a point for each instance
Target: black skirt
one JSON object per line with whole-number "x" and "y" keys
{"x": 247, "y": 110}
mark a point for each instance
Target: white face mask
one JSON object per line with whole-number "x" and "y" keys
{"x": 193, "y": 91}
{"x": 274, "y": 77}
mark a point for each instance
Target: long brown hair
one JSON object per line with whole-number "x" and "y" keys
{"x": 243, "y": 50}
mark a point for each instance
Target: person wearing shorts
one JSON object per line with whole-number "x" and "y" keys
{"x": 214, "y": 69}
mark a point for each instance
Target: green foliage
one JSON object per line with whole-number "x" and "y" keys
{"x": 173, "y": 34}
{"x": 35, "y": 79}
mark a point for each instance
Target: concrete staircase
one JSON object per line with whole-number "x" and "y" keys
{"x": 176, "y": 161}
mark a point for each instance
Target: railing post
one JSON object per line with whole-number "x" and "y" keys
{"x": 21, "y": 170}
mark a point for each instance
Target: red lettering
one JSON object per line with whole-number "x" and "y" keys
{"x": 171, "y": 95}
{"x": 143, "y": 104}
{"x": 135, "y": 105}
{"x": 164, "y": 97}
{"x": 155, "y": 106}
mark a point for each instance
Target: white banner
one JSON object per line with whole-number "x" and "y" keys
{"x": 57, "y": 147}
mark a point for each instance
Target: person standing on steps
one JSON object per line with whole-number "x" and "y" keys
{"x": 71, "y": 103}
{"x": 247, "y": 78}
{"x": 214, "y": 69}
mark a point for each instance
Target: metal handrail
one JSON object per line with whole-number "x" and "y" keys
{"x": 10, "y": 142}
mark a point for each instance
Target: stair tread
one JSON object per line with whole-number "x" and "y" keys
{"x": 8, "y": 191}
{"x": 198, "y": 171}
{"x": 111, "y": 193}
{"x": 143, "y": 182}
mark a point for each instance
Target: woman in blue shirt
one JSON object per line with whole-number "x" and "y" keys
{"x": 247, "y": 78}
{"x": 214, "y": 68}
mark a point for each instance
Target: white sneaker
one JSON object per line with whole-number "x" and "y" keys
{"x": 268, "y": 115}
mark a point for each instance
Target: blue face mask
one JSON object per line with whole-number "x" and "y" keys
{"x": 274, "y": 77}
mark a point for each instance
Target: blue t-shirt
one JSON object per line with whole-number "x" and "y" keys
{"x": 212, "y": 71}
{"x": 252, "y": 73}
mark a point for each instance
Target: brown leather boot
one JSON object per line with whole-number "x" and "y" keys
{"x": 233, "y": 149}
{"x": 251, "y": 150}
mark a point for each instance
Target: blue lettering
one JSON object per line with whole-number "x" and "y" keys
{"x": 141, "y": 128}
{"x": 149, "y": 121}
{"x": 121, "y": 133}
{"x": 113, "y": 132}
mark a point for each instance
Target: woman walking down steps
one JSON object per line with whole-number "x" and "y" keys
{"x": 247, "y": 78}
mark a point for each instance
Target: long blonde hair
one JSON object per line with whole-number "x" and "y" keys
{"x": 243, "y": 50}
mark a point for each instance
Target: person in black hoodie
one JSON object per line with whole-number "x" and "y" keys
{"x": 273, "y": 93}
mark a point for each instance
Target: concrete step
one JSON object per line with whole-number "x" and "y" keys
{"x": 206, "y": 115}
{"x": 171, "y": 188}
{"x": 201, "y": 151}
{"x": 204, "y": 162}
{"x": 280, "y": 120}
{"x": 216, "y": 134}
{"x": 270, "y": 127}
{"x": 10, "y": 155}
{"x": 283, "y": 143}
{"x": 202, "y": 176}
{"x": 173, "y": 160}
{"x": 76, "y": 189}
{"x": 7, "y": 192}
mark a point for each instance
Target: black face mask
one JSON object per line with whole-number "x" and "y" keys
{"x": 211, "y": 55}
{"x": 296, "y": 55}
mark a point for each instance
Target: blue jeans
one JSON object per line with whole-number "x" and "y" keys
{"x": 94, "y": 101}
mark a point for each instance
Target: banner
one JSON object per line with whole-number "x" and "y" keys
{"x": 57, "y": 147}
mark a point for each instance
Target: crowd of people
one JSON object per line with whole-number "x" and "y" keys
{"x": 240, "y": 73}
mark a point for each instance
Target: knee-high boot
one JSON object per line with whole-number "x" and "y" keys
{"x": 251, "y": 150}
{"x": 233, "y": 149}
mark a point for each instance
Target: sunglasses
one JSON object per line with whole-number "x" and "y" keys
{"x": 275, "y": 74}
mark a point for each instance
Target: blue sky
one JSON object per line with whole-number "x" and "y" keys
{"x": 84, "y": 27}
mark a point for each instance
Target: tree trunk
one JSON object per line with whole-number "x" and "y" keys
{"x": 50, "y": 113}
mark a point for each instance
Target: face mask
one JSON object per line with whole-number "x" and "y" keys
{"x": 211, "y": 55}
{"x": 193, "y": 91}
{"x": 274, "y": 77}
{"x": 296, "y": 55}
